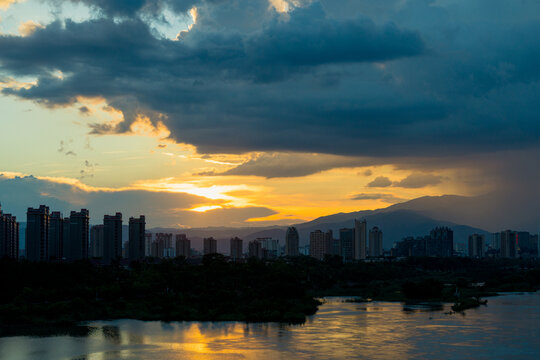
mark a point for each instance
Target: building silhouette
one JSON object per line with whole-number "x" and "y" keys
{"x": 236, "y": 248}
{"x": 56, "y": 235}
{"x": 346, "y": 239}
{"x": 360, "y": 239}
{"x": 9, "y": 236}
{"x": 96, "y": 241}
{"x": 137, "y": 231}
{"x": 320, "y": 244}
{"x": 148, "y": 244}
{"x": 255, "y": 249}
{"x": 78, "y": 238}
{"x": 270, "y": 247}
{"x": 209, "y": 246}
{"x": 477, "y": 246}
{"x": 292, "y": 242}
{"x": 441, "y": 242}
{"x": 509, "y": 240}
{"x": 375, "y": 242}
{"x": 183, "y": 246}
{"x": 37, "y": 233}
{"x": 112, "y": 237}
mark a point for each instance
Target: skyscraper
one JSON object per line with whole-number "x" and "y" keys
{"x": 441, "y": 242}
{"x": 320, "y": 244}
{"x": 183, "y": 246}
{"x": 375, "y": 242}
{"x": 360, "y": 239}
{"x": 255, "y": 249}
{"x": 236, "y": 248}
{"x": 112, "y": 237}
{"x": 137, "y": 230}
{"x": 270, "y": 247}
{"x": 210, "y": 246}
{"x": 148, "y": 244}
{"x": 77, "y": 247}
{"x": 37, "y": 233}
{"x": 509, "y": 244}
{"x": 346, "y": 237}
{"x": 477, "y": 246}
{"x": 9, "y": 236}
{"x": 292, "y": 242}
{"x": 96, "y": 241}
{"x": 56, "y": 235}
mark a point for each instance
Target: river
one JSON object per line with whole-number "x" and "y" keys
{"x": 507, "y": 328}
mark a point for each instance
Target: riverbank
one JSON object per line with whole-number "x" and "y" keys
{"x": 285, "y": 290}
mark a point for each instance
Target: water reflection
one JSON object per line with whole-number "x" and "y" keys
{"x": 507, "y": 328}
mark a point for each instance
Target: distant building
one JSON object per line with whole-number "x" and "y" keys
{"x": 209, "y": 246}
{"x": 292, "y": 242}
{"x": 410, "y": 246}
{"x": 112, "y": 237}
{"x": 37, "y": 233}
{"x": 236, "y": 248}
{"x": 161, "y": 242}
{"x": 9, "y": 236}
{"x": 320, "y": 244}
{"x": 137, "y": 231}
{"x": 255, "y": 249}
{"x": 360, "y": 239}
{"x": 79, "y": 233}
{"x": 56, "y": 235}
{"x": 441, "y": 242}
{"x": 336, "y": 247}
{"x": 496, "y": 241}
{"x": 375, "y": 242}
{"x": 509, "y": 248}
{"x": 346, "y": 237}
{"x": 183, "y": 246}
{"x": 477, "y": 246}
{"x": 96, "y": 241}
{"x": 270, "y": 247}
{"x": 148, "y": 244}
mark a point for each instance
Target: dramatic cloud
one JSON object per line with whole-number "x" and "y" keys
{"x": 418, "y": 180}
{"x": 161, "y": 208}
{"x": 273, "y": 165}
{"x": 4, "y": 4}
{"x": 380, "y": 181}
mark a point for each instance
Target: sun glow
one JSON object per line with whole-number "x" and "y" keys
{"x": 206, "y": 208}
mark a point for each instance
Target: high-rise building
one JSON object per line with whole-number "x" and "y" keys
{"x": 137, "y": 231}
{"x": 292, "y": 242}
{"x": 79, "y": 233}
{"x": 96, "y": 241}
{"x": 255, "y": 249}
{"x": 509, "y": 241}
{"x": 360, "y": 239}
{"x": 112, "y": 237}
{"x": 9, "y": 236}
{"x": 336, "y": 247}
{"x": 37, "y": 233}
{"x": 236, "y": 248}
{"x": 524, "y": 242}
{"x": 375, "y": 242}
{"x": 56, "y": 235}
{"x": 496, "y": 241}
{"x": 148, "y": 244}
{"x": 477, "y": 246}
{"x": 210, "y": 246}
{"x": 320, "y": 244}
{"x": 183, "y": 246}
{"x": 441, "y": 242}
{"x": 346, "y": 237}
{"x": 270, "y": 247}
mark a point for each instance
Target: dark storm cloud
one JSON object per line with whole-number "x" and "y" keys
{"x": 417, "y": 180}
{"x": 394, "y": 78}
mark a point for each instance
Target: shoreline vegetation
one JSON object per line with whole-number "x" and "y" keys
{"x": 37, "y": 295}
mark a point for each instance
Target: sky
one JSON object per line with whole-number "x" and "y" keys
{"x": 261, "y": 112}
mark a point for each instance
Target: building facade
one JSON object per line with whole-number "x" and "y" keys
{"x": 477, "y": 246}
{"x": 320, "y": 244}
{"x": 236, "y": 247}
{"x": 96, "y": 241}
{"x": 112, "y": 237}
{"x": 209, "y": 246}
{"x": 375, "y": 242}
{"x": 346, "y": 237}
{"x": 292, "y": 242}
{"x": 360, "y": 239}
{"x": 79, "y": 235}
{"x": 37, "y": 233}
{"x": 9, "y": 236}
{"x": 183, "y": 246}
{"x": 137, "y": 237}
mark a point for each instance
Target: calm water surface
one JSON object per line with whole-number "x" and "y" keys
{"x": 508, "y": 328}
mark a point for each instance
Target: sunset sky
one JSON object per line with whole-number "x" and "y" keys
{"x": 259, "y": 112}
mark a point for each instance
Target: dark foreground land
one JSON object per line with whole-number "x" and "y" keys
{"x": 284, "y": 290}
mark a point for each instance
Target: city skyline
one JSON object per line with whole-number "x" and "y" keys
{"x": 399, "y": 100}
